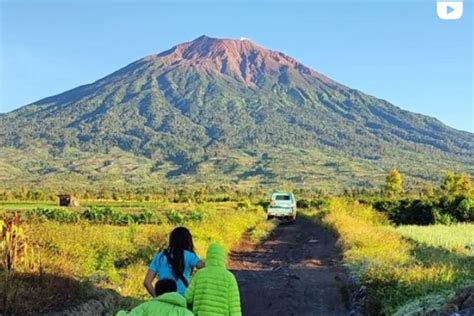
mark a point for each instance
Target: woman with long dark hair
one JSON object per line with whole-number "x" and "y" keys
{"x": 175, "y": 262}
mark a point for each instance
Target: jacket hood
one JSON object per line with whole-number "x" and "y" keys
{"x": 216, "y": 256}
{"x": 173, "y": 298}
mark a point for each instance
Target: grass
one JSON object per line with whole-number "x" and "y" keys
{"x": 121, "y": 205}
{"x": 395, "y": 270}
{"x": 454, "y": 238}
{"x": 262, "y": 230}
{"x": 19, "y": 206}
{"x": 103, "y": 256}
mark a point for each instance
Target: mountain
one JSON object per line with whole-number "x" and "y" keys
{"x": 222, "y": 111}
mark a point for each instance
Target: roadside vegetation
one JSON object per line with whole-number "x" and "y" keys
{"x": 396, "y": 270}
{"x": 410, "y": 253}
{"x": 68, "y": 256}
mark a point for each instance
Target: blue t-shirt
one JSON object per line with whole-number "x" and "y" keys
{"x": 160, "y": 266}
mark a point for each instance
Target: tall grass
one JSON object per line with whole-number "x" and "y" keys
{"x": 117, "y": 257}
{"x": 393, "y": 269}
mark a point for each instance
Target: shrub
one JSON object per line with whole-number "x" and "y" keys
{"x": 103, "y": 268}
{"x": 442, "y": 218}
{"x": 146, "y": 216}
{"x": 195, "y": 216}
{"x": 444, "y": 210}
{"x": 174, "y": 217}
{"x": 58, "y": 214}
{"x": 465, "y": 210}
{"x": 219, "y": 198}
{"x": 244, "y": 204}
{"x": 303, "y": 203}
{"x": 419, "y": 212}
{"x": 179, "y": 218}
{"x": 319, "y": 203}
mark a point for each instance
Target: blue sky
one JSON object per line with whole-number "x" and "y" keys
{"x": 396, "y": 50}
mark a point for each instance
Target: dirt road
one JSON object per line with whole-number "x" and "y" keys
{"x": 296, "y": 272}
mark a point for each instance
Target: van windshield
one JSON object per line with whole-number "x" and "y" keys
{"x": 282, "y": 198}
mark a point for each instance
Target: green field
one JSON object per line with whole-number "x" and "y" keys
{"x": 454, "y": 238}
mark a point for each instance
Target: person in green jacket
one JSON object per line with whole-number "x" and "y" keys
{"x": 167, "y": 302}
{"x": 213, "y": 289}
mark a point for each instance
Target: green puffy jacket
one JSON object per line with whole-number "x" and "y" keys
{"x": 213, "y": 290}
{"x": 168, "y": 304}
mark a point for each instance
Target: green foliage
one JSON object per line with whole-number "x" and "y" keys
{"x": 174, "y": 217}
{"x": 319, "y": 203}
{"x": 94, "y": 214}
{"x": 132, "y": 231}
{"x": 61, "y": 215}
{"x": 456, "y": 184}
{"x": 102, "y": 267}
{"x": 303, "y": 203}
{"x": 178, "y": 218}
{"x": 146, "y": 216}
{"x": 426, "y": 211}
{"x": 440, "y": 217}
{"x": 465, "y": 209}
{"x": 106, "y": 215}
{"x": 196, "y": 216}
{"x": 394, "y": 183}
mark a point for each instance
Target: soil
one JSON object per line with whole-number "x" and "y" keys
{"x": 297, "y": 271}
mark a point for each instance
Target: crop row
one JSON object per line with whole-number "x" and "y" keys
{"x": 108, "y": 215}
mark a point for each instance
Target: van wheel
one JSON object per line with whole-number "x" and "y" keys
{"x": 293, "y": 219}
{"x": 269, "y": 217}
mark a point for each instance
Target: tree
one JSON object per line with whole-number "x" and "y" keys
{"x": 394, "y": 183}
{"x": 456, "y": 184}
{"x": 465, "y": 186}
{"x": 449, "y": 183}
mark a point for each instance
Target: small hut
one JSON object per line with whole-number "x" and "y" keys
{"x": 67, "y": 200}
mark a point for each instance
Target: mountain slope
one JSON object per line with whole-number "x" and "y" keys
{"x": 191, "y": 110}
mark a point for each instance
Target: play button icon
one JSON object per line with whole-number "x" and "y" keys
{"x": 449, "y": 10}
